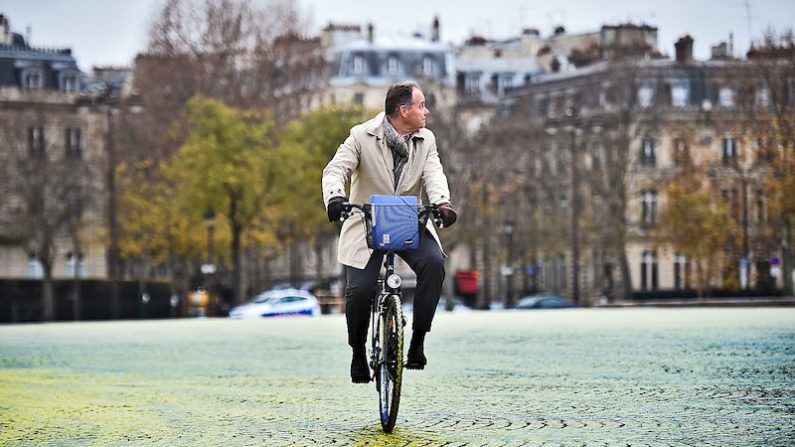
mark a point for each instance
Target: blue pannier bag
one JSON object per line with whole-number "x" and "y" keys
{"x": 395, "y": 225}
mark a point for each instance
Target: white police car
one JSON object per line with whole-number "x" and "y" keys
{"x": 278, "y": 303}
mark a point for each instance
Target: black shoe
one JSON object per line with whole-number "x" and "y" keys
{"x": 416, "y": 357}
{"x": 360, "y": 371}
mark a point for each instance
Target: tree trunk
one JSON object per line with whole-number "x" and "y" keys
{"x": 626, "y": 276}
{"x": 787, "y": 259}
{"x": 76, "y": 299}
{"x": 319, "y": 260}
{"x": 47, "y": 296}
{"x": 237, "y": 230}
{"x": 236, "y": 274}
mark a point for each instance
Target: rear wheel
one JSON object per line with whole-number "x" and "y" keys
{"x": 389, "y": 370}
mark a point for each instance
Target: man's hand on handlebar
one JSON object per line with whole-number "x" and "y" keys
{"x": 334, "y": 209}
{"x": 448, "y": 214}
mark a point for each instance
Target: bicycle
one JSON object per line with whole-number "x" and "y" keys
{"x": 387, "y": 320}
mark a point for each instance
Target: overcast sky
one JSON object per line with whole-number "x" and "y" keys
{"x": 111, "y": 32}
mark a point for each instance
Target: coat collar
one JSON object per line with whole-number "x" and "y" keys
{"x": 375, "y": 127}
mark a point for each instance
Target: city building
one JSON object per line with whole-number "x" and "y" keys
{"x": 363, "y": 65}
{"x": 53, "y": 141}
{"x": 631, "y": 120}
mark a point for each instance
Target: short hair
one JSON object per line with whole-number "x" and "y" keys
{"x": 398, "y": 95}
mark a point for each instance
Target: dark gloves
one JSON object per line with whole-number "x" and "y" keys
{"x": 334, "y": 209}
{"x": 449, "y": 215}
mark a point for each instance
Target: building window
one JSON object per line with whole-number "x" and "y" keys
{"x": 680, "y": 93}
{"x": 648, "y": 207}
{"x": 75, "y": 265}
{"x": 681, "y": 154}
{"x": 542, "y": 103}
{"x": 507, "y": 81}
{"x": 726, "y": 97}
{"x": 730, "y": 151}
{"x": 472, "y": 84}
{"x": 358, "y": 98}
{"x": 69, "y": 83}
{"x": 32, "y": 79}
{"x": 761, "y": 206}
{"x": 648, "y": 270}
{"x": 392, "y": 65}
{"x": 681, "y": 272}
{"x": 427, "y": 66}
{"x": 35, "y": 268}
{"x": 763, "y": 97}
{"x": 73, "y": 143}
{"x": 36, "y": 142}
{"x": 648, "y": 152}
{"x": 645, "y": 95}
{"x": 604, "y": 94}
{"x": 358, "y": 65}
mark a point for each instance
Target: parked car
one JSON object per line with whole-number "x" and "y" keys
{"x": 543, "y": 302}
{"x": 277, "y": 303}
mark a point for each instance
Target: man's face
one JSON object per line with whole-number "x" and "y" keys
{"x": 414, "y": 115}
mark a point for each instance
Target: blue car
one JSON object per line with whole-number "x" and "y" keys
{"x": 543, "y": 302}
{"x": 278, "y": 303}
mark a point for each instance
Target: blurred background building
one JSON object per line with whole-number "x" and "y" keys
{"x": 560, "y": 149}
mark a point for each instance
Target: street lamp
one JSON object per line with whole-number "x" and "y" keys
{"x": 574, "y": 130}
{"x": 507, "y": 230}
{"x": 114, "y": 104}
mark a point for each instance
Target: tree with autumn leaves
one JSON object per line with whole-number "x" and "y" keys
{"x": 698, "y": 224}
{"x": 262, "y": 181}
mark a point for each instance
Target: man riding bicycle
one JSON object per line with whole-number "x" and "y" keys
{"x": 391, "y": 154}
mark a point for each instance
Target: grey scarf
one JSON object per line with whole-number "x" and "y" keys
{"x": 399, "y": 147}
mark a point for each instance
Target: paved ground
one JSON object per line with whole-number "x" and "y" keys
{"x": 549, "y": 378}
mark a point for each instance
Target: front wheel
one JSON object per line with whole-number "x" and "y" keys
{"x": 389, "y": 370}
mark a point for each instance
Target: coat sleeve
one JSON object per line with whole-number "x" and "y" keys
{"x": 338, "y": 171}
{"x": 433, "y": 178}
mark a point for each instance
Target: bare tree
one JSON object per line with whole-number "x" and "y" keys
{"x": 249, "y": 55}
{"x": 50, "y": 184}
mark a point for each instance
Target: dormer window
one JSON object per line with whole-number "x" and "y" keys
{"x": 726, "y": 97}
{"x": 358, "y": 65}
{"x": 427, "y": 66}
{"x": 680, "y": 93}
{"x": 32, "y": 79}
{"x": 392, "y": 65}
{"x": 68, "y": 82}
{"x": 646, "y": 95}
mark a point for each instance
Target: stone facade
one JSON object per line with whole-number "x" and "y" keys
{"x": 53, "y": 143}
{"x": 682, "y": 113}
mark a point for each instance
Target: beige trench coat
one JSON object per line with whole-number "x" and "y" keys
{"x": 367, "y": 162}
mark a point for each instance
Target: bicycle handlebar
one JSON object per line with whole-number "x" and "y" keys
{"x": 425, "y": 211}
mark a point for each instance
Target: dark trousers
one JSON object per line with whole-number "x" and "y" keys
{"x": 426, "y": 261}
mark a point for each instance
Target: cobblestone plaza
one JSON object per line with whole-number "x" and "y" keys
{"x": 524, "y": 378}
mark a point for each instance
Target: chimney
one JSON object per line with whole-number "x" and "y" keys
{"x": 370, "y": 32}
{"x": 435, "y": 31}
{"x": 5, "y": 32}
{"x": 684, "y": 49}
